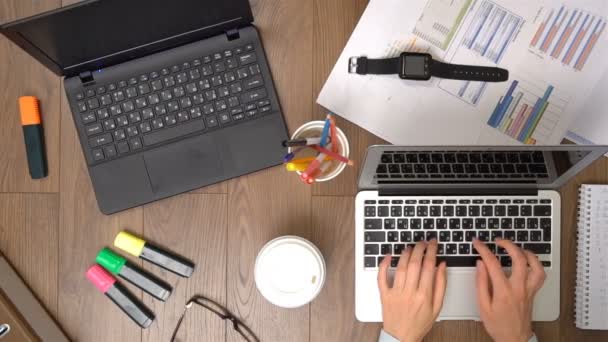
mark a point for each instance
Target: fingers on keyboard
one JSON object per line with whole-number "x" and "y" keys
{"x": 390, "y": 226}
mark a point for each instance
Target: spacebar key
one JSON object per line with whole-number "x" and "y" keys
{"x": 458, "y": 261}
{"x": 173, "y": 132}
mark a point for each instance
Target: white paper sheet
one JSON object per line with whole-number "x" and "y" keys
{"x": 481, "y": 32}
{"x": 591, "y": 124}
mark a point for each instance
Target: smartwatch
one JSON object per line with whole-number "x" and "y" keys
{"x": 422, "y": 66}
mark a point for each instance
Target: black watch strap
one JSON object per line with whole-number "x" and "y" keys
{"x": 468, "y": 72}
{"x": 388, "y": 66}
{"x": 384, "y": 66}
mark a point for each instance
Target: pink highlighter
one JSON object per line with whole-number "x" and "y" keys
{"x": 119, "y": 294}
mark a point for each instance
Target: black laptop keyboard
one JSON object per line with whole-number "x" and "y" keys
{"x": 392, "y": 225}
{"x": 210, "y": 92}
{"x": 462, "y": 165}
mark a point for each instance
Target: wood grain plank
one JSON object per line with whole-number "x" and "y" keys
{"x": 69, "y": 2}
{"x": 272, "y": 202}
{"x": 218, "y": 188}
{"x": 16, "y": 9}
{"x": 193, "y": 226}
{"x": 332, "y": 314}
{"x": 28, "y": 239}
{"x": 334, "y": 22}
{"x": 84, "y": 230}
{"x": 285, "y": 28}
{"x": 22, "y": 75}
{"x": 260, "y": 209}
{"x": 458, "y": 331}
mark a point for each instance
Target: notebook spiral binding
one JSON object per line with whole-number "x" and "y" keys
{"x": 582, "y": 257}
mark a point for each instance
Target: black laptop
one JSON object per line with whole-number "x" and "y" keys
{"x": 167, "y": 96}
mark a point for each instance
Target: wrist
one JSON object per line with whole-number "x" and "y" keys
{"x": 407, "y": 339}
{"x": 516, "y": 339}
{"x": 395, "y": 334}
{"x": 525, "y": 337}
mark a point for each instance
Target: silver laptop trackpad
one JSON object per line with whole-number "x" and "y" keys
{"x": 460, "y": 300}
{"x": 184, "y": 165}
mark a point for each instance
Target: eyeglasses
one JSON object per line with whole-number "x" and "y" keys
{"x": 221, "y": 312}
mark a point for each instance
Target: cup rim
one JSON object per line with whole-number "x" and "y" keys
{"x": 313, "y": 249}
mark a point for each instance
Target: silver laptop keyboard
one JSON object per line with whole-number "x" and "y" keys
{"x": 392, "y": 225}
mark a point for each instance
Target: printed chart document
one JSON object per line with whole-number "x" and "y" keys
{"x": 555, "y": 52}
{"x": 591, "y": 124}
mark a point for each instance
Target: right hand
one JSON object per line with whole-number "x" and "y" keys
{"x": 505, "y": 304}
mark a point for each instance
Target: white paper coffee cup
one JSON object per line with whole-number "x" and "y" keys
{"x": 289, "y": 271}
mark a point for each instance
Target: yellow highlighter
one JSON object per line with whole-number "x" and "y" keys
{"x": 154, "y": 254}
{"x": 300, "y": 164}
{"x": 296, "y": 166}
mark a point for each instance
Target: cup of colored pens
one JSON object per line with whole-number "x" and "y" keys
{"x": 318, "y": 151}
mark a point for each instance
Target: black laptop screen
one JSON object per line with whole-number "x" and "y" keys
{"x": 93, "y": 32}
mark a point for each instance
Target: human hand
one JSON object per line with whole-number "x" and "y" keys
{"x": 505, "y": 304}
{"x": 412, "y": 304}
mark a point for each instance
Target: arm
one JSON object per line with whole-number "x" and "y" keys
{"x": 412, "y": 304}
{"x": 505, "y": 304}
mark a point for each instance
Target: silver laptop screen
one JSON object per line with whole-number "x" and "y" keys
{"x": 533, "y": 167}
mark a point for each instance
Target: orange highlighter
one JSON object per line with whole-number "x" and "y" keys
{"x": 33, "y": 136}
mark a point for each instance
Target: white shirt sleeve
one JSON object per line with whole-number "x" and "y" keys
{"x": 385, "y": 337}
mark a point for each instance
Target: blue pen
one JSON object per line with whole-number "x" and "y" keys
{"x": 289, "y": 156}
{"x": 325, "y": 131}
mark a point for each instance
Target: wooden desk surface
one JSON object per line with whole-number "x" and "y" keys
{"x": 51, "y": 230}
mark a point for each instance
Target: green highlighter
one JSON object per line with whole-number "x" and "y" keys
{"x": 120, "y": 266}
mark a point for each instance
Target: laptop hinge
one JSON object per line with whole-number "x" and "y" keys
{"x": 458, "y": 192}
{"x": 233, "y": 34}
{"x": 86, "y": 78}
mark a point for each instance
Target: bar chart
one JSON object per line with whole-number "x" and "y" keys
{"x": 491, "y": 31}
{"x": 488, "y": 34}
{"x": 440, "y": 21}
{"x": 568, "y": 35}
{"x": 527, "y": 112}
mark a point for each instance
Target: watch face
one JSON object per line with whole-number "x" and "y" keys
{"x": 415, "y": 66}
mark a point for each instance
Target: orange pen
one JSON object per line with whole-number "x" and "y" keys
{"x": 313, "y": 166}
{"x": 334, "y": 155}
{"x": 333, "y": 134}
{"x": 318, "y": 172}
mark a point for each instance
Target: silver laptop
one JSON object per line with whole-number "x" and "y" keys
{"x": 455, "y": 194}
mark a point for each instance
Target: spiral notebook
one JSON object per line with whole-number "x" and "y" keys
{"x": 592, "y": 258}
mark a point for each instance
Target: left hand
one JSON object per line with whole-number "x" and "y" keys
{"x": 412, "y": 304}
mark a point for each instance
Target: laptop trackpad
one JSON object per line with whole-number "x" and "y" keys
{"x": 185, "y": 165}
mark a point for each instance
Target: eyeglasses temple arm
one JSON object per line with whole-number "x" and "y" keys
{"x": 179, "y": 321}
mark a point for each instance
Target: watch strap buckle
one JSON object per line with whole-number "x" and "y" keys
{"x": 357, "y": 65}
{"x": 401, "y": 71}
